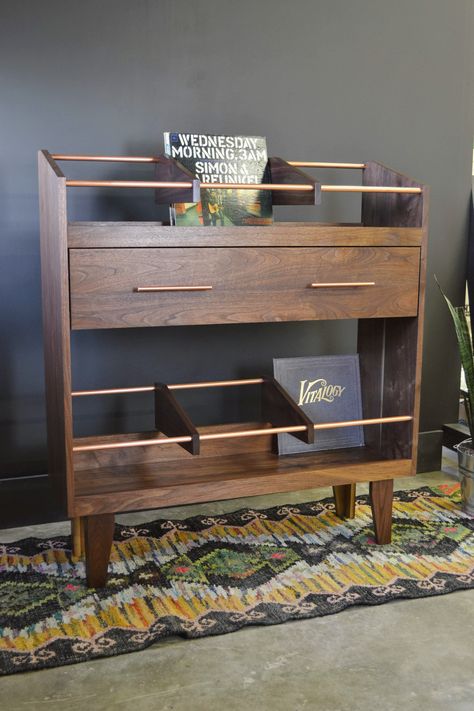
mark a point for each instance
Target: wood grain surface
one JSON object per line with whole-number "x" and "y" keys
{"x": 151, "y": 485}
{"x": 390, "y": 349}
{"x": 283, "y": 172}
{"x": 381, "y": 497}
{"x": 281, "y": 410}
{"x": 390, "y": 209}
{"x": 56, "y": 325}
{"x": 167, "y": 169}
{"x": 248, "y": 285}
{"x": 172, "y": 420}
{"x": 344, "y": 499}
{"x": 98, "y": 536}
{"x": 92, "y": 235}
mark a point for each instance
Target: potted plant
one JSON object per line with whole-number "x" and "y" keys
{"x": 465, "y": 449}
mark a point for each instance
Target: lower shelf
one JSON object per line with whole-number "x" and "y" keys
{"x": 155, "y": 484}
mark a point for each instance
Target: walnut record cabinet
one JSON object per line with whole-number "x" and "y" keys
{"x": 102, "y": 275}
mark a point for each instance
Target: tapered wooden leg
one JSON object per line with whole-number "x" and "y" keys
{"x": 83, "y": 536}
{"x": 381, "y": 497}
{"x": 344, "y": 498}
{"x": 77, "y": 536}
{"x": 98, "y": 531}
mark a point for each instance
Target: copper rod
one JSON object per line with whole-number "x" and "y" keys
{"x": 233, "y": 186}
{"x": 114, "y": 391}
{"x": 156, "y": 159}
{"x": 305, "y": 187}
{"x": 127, "y": 184}
{"x": 318, "y": 164}
{"x": 241, "y": 433}
{"x": 178, "y": 386}
{"x": 252, "y": 433}
{"x": 110, "y": 159}
{"x": 368, "y": 189}
{"x": 321, "y": 285}
{"x": 302, "y": 428}
{"x": 141, "y": 289}
{"x": 217, "y": 384}
{"x": 186, "y": 438}
{"x": 371, "y": 421}
{"x": 134, "y": 443}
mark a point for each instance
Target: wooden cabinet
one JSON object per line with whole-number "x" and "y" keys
{"x": 119, "y": 275}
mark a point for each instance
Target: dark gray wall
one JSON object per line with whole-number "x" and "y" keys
{"x": 323, "y": 80}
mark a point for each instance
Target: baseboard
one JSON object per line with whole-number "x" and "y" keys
{"x": 20, "y": 470}
{"x": 429, "y": 451}
{"x": 25, "y": 501}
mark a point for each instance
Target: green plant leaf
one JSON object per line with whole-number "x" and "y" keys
{"x": 458, "y": 314}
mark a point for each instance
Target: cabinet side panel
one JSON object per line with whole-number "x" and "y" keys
{"x": 390, "y": 209}
{"x": 421, "y": 319}
{"x": 56, "y": 328}
{"x": 400, "y": 387}
{"x": 399, "y": 364}
{"x": 370, "y": 347}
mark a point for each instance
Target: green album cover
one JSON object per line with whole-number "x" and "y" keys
{"x": 222, "y": 159}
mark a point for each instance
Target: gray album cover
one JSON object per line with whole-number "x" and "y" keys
{"x": 327, "y": 388}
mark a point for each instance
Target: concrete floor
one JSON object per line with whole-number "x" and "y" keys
{"x": 413, "y": 654}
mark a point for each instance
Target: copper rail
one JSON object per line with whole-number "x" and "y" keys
{"x": 107, "y": 159}
{"x": 368, "y": 189}
{"x": 319, "y": 164}
{"x": 177, "y": 386}
{"x": 240, "y": 433}
{"x": 304, "y": 187}
{"x": 223, "y": 186}
{"x": 156, "y": 159}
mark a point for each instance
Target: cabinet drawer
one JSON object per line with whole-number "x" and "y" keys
{"x": 117, "y": 288}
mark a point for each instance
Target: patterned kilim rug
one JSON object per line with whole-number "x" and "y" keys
{"x": 211, "y": 575}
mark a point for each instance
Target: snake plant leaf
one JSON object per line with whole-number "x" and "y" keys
{"x": 458, "y": 314}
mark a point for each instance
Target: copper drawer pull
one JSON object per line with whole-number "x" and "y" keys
{"x": 320, "y": 285}
{"x": 141, "y": 289}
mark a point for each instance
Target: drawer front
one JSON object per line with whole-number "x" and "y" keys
{"x": 118, "y": 288}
